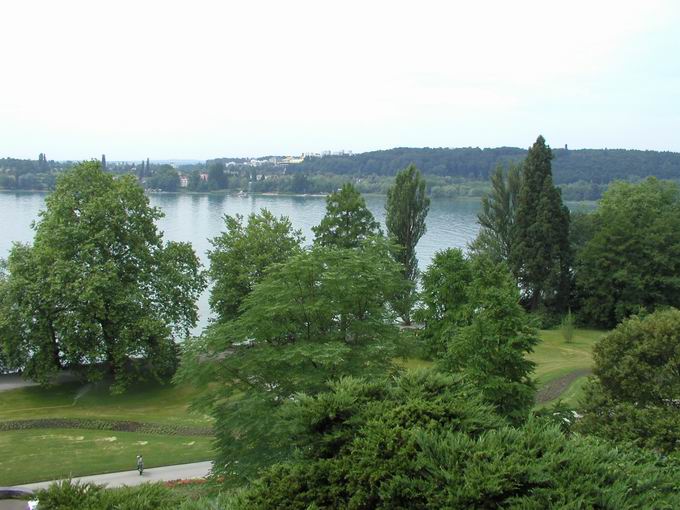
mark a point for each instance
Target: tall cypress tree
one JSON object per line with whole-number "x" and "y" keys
{"x": 541, "y": 256}
{"x": 406, "y": 209}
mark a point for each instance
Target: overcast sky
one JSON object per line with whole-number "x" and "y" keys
{"x": 198, "y": 79}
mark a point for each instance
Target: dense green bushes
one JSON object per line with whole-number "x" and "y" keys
{"x": 635, "y": 394}
{"x": 428, "y": 441}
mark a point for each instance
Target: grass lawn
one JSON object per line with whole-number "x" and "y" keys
{"x": 150, "y": 402}
{"x": 43, "y": 454}
{"x": 554, "y": 358}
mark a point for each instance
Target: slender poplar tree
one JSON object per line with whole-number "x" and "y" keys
{"x": 406, "y": 207}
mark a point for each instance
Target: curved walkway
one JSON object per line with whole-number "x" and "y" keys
{"x": 553, "y": 389}
{"x": 158, "y": 474}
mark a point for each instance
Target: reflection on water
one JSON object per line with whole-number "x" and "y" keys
{"x": 195, "y": 218}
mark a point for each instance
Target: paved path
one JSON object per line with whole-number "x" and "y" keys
{"x": 159, "y": 474}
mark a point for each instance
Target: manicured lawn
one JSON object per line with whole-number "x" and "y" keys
{"x": 44, "y": 454}
{"x": 153, "y": 403}
{"x": 554, "y": 357}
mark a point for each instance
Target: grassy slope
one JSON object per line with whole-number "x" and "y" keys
{"x": 42, "y": 454}
{"x": 554, "y": 359}
{"x": 31, "y": 455}
{"x": 35, "y": 455}
{"x": 147, "y": 403}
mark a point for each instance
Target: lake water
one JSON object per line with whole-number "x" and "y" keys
{"x": 198, "y": 217}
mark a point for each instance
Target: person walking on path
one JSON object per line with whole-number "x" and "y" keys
{"x": 140, "y": 464}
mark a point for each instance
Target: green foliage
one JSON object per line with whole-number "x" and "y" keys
{"x": 98, "y": 284}
{"x": 406, "y": 208}
{"x": 540, "y": 254}
{"x": 165, "y": 178}
{"x": 444, "y": 294}
{"x": 630, "y": 260}
{"x": 68, "y": 495}
{"x": 491, "y": 338}
{"x": 497, "y": 217}
{"x": 567, "y": 327}
{"x": 347, "y": 222}
{"x": 242, "y": 254}
{"x": 427, "y": 441}
{"x": 634, "y": 394}
{"x": 475, "y": 324}
{"x": 588, "y": 168}
{"x": 321, "y": 314}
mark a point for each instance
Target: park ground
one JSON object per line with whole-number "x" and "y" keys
{"x": 75, "y": 430}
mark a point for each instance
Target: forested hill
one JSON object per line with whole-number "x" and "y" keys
{"x": 592, "y": 165}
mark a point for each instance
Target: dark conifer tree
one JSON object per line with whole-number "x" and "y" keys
{"x": 541, "y": 256}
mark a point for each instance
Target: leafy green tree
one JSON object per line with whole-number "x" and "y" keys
{"x": 633, "y": 395}
{"x": 497, "y": 217}
{"x": 406, "y": 208}
{"x": 347, "y": 221}
{"x": 99, "y": 284}
{"x": 320, "y": 314}
{"x": 490, "y": 339}
{"x": 165, "y": 178}
{"x": 241, "y": 255}
{"x": 425, "y": 440}
{"x": 540, "y": 254}
{"x": 443, "y": 297}
{"x": 567, "y": 327}
{"x": 630, "y": 261}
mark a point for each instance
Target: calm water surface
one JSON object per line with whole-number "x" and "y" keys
{"x": 198, "y": 217}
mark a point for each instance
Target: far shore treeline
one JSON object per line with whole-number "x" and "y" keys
{"x": 308, "y": 370}
{"x": 582, "y": 174}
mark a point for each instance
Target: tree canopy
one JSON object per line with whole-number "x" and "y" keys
{"x": 540, "y": 254}
{"x": 635, "y": 391}
{"x": 630, "y": 261}
{"x": 320, "y": 314}
{"x": 98, "y": 285}
{"x": 406, "y": 208}
{"x": 241, "y": 255}
{"x": 498, "y": 214}
{"x": 426, "y": 440}
{"x": 347, "y": 222}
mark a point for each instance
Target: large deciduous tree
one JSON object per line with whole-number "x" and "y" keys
{"x": 347, "y": 222}
{"x": 241, "y": 255}
{"x": 320, "y": 314}
{"x": 497, "y": 217}
{"x": 540, "y": 255}
{"x": 406, "y": 208}
{"x": 630, "y": 260}
{"x": 99, "y": 288}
